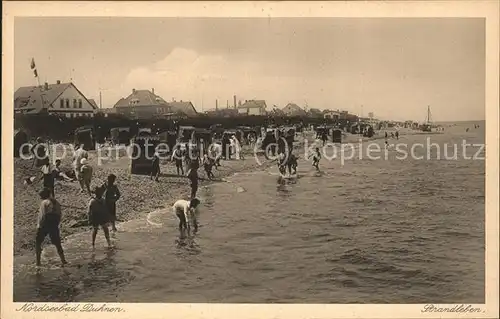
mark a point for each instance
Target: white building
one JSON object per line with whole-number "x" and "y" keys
{"x": 252, "y": 107}
{"x": 62, "y": 99}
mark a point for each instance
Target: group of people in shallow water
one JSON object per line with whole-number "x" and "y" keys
{"x": 102, "y": 205}
{"x": 101, "y": 214}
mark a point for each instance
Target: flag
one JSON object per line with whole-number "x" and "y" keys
{"x": 33, "y": 67}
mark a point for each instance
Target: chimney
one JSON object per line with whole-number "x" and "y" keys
{"x": 153, "y": 90}
{"x": 46, "y": 86}
{"x": 216, "y": 104}
{"x": 227, "y": 104}
{"x": 133, "y": 91}
{"x": 58, "y": 82}
{"x": 234, "y": 97}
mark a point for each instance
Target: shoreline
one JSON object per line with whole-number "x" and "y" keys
{"x": 140, "y": 195}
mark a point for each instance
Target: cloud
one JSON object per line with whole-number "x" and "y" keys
{"x": 185, "y": 74}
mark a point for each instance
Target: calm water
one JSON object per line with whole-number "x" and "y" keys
{"x": 371, "y": 231}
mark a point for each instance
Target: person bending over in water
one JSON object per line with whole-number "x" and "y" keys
{"x": 187, "y": 212}
{"x": 49, "y": 217}
{"x": 99, "y": 215}
{"x": 316, "y": 158}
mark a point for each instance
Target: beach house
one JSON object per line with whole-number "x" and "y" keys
{"x": 63, "y": 99}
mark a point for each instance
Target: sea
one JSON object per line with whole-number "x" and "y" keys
{"x": 392, "y": 229}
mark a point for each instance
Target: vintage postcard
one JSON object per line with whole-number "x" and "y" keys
{"x": 250, "y": 159}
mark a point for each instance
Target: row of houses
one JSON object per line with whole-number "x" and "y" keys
{"x": 65, "y": 99}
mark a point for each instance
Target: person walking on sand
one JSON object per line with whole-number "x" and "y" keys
{"x": 80, "y": 154}
{"x": 397, "y": 135}
{"x": 99, "y": 216}
{"x": 155, "y": 167}
{"x": 177, "y": 158}
{"x": 112, "y": 195}
{"x": 85, "y": 175}
{"x": 49, "y": 218}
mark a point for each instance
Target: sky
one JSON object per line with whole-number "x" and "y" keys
{"x": 393, "y": 67}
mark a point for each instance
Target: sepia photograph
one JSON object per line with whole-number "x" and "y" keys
{"x": 250, "y": 160}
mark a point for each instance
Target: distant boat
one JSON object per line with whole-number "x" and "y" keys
{"x": 427, "y": 126}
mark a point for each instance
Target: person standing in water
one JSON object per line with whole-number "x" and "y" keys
{"x": 99, "y": 216}
{"x": 111, "y": 197}
{"x": 193, "y": 179}
{"x": 49, "y": 218}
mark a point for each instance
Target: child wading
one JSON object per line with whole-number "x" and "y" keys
{"x": 49, "y": 217}
{"x": 99, "y": 216}
{"x": 111, "y": 197}
{"x": 316, "y": 158}
{"x": 207, "y": 165}
{"x": 155, "y": 167}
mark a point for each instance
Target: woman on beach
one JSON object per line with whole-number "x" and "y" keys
{"x": 99, "y": 216}
{"x": 49, "y": 218}
{"x": 111, "y": 197}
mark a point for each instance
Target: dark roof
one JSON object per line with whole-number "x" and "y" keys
{"x": 142, "y": 98}
{"x": 93, "y": 103}
{"x": 185, "y": 107}
{"x": 148, "y": 98}
{"x": 253, "y": 104}
{"x": 294, "y": 109}
{"x": 33, "y": 99}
